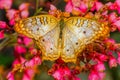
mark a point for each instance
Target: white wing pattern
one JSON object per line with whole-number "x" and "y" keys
{"x": 76, "y": 34}
{"x": 45, "y": 31}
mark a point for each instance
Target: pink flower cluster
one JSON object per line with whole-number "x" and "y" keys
{"x": 115, "y": 5}
{"x": 61, "y": 71}
{"x": 84, "y": 6}
{"x": 12, "y": 14}
{"x": 3, "y": 26}
{"x": 77, "y": 5}
{"x": 28, "y": 67}
{"x": 5, "y": 4}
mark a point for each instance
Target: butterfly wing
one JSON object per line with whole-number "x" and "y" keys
{"x": 44, "y": 29}
{"x": 77, "y": 33}
{"x": 49, "y": 45}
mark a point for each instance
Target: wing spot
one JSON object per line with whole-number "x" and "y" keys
{"x": 37, "y": 29}
{"x": 51, "y": 48}
{"x": 76, "y": 43}
{"x": 43, "y": 40}
{"x": 67, "y": 50}
{"x": 84, "y": 32}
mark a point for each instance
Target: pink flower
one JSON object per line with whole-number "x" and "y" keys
{"x": 57, "y": 75}
{"x": 97, "y": 6}
{"x": 11, "y": 13}
{"x": 76, "y": 78}
{"x": 3, "y": 25}
{"x": 10, "y": 76}
{"x": 101, "y": 75}
{"x": 24, "y": 14}
{"x": 18, "y": 60}
{"x": 83, "y": 7}
{"x": 34, "y": 61}
{"x": 5, "y": 4}
{"x": 61, "y": 73}
{"x": 75, "y": 5}
{"x": 117, "y": 24}
{"x": 27, "y": 41}
{"x": 68, "y": 7}
{"x": 24, "y": 6}
{"x": 112, "y": 62}
{"x": 114, "y": 6}
{"x": 118, "y": 59}
{"x": 52, "y": 7}
{"x": 100, "y": 67}
{"x": 110, "y": 5}
{"x": 19, "y": 40}
{"x": 19, "y": 49}
{"x": 33, "y": 51}
{"x": 101, "y": 57}
{"x": 1, "y": 34}
{"x": 112, "y": 17}
{"x": 28, "y": 74}
{"x": 117, "y": 2}
{"x": 110, "y": 41}
{"x": 53, "y": 10}
{"x": 114, "y": 20}
{"x": 12, "y": 22}
{"x": 24, "y": 10}
{"x": 111, "y": 44}
{"x": 37, "y": 60}
{"x": 93, "y": 76}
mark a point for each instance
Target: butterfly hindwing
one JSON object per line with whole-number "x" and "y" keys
{"x": 49, "y": 44}
{"x": 70, "y": 46}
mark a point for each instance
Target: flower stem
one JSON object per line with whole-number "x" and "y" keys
{"x": 37, "y": 5}
{"x": 7, "y": 40}
{"x": 37, "y": 11}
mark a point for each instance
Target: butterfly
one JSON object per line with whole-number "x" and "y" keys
{"x": 61, "y": 38}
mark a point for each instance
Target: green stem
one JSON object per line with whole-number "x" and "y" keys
{"x": 4, "y": 43}
{"x": 37, "y": 11}
{"x": 37, "y": 5}
{"x": 7, "y": 40}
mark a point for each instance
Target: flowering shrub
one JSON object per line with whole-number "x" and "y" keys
{"x": 27, "y": 57}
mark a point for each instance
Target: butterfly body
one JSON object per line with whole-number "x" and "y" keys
{"x": 59, "y": 38}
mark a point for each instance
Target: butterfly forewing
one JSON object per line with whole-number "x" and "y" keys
{"x": 45, "y": 30}
{"x": 37, "y": 26}
{"x": 79, "y": 32}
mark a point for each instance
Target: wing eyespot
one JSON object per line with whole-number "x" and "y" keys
{"x": 37, "y": 29}
{"x": 51, "y": 48}
{"x": 84, "y": 32}
{"x": 76, "y": 43}
{"x": 43, "y": 40}
{"x": 67, "y": 50}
